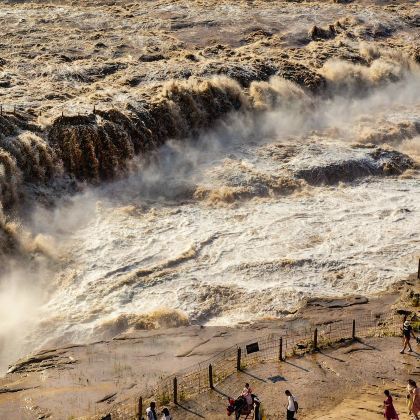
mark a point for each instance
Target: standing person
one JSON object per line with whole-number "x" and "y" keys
{"x": 247, "y": 394}
{"x": 292, "y": 405}
{"x": 166, "y": 415}
{"x": 151, "y": 411}
{"x": 415, "y": 398}
{"x": 389, "y": 410}
{"x": 410, "y": 386}
{"x": 407, "y": 334}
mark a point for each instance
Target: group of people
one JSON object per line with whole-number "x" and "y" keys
{"x": 413, "y": 402}
{"x": 292, "y": 404}
{"x": 152, "y": 415}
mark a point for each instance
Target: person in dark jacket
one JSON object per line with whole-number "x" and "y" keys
{"x": 151, "y": 412}
{"x": 407, "y": 334}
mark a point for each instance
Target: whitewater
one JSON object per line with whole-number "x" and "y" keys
{"x": 241, "y": 222}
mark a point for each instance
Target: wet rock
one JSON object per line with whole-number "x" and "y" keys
{"x": 213, "y": 50}
{"x": 185, "y": 74}
{"x": 256, "y": 35}
{"x": 191, "y": 57}
{"x": 107, "y": 69}
{"x": 149, "y": 58}
{"x": 184, "y": 24}
{"x": 134, "y": 80}
{"x": 302, "y": 76}
{"x": 337, "y": 303}
{"x": 415, "y": 54}
{"x": 392, "y": 162}
{"x": 60, "y": 96}
{"x": 67, "y": 59}
{"x": 376, "y": 30}
{"x": 413, "y": 20}
{"x": 47, "y": 359}
{"x": 380, "y": 162}
{"x": 245, "y": 74}
{"x": 317, "y": 33}
{"x": 5, "y": 84}
{"x": 175, "y": 26}
{"x": 340, "y": 171}
{"x": 90, "y": 74}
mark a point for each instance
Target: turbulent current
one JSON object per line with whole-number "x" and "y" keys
{"x": 277, "y": 196}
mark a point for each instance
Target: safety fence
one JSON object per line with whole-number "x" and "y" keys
{"x": 16, "y": 110}
{"x": 274, "y": 347}
{"x": 21, "y": 110}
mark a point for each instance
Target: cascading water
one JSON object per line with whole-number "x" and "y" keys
{"x": 212, "y": 205}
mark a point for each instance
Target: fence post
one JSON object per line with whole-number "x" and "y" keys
{"x": 175, "y": 391}
{"x": 14, "y": 110}
{"x": 281, "y": 349}
{"x": 353, "y": 331}
{"x": 1, "y": 113}
{"x": 140, "y": 408}
{"x": 238, "y": 359}
{"x": 211, "y": 377}
{"x": 316, "y": 339}
{"x": 418, "y": 271}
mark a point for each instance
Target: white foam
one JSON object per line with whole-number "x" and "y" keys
{"x": 131, "y": 247}
{"x": 350, "y": 239}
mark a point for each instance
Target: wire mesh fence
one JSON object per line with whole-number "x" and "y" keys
{"x": 274, "y": 347}
{"x": 24, "y": 111}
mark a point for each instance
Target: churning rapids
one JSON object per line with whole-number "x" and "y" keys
{"x": 296, "y": 197}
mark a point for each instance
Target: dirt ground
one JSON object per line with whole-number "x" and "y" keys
{"x": 342, "y": 383}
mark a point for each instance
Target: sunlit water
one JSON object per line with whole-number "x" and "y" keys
{"x": 225, "y": 230}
